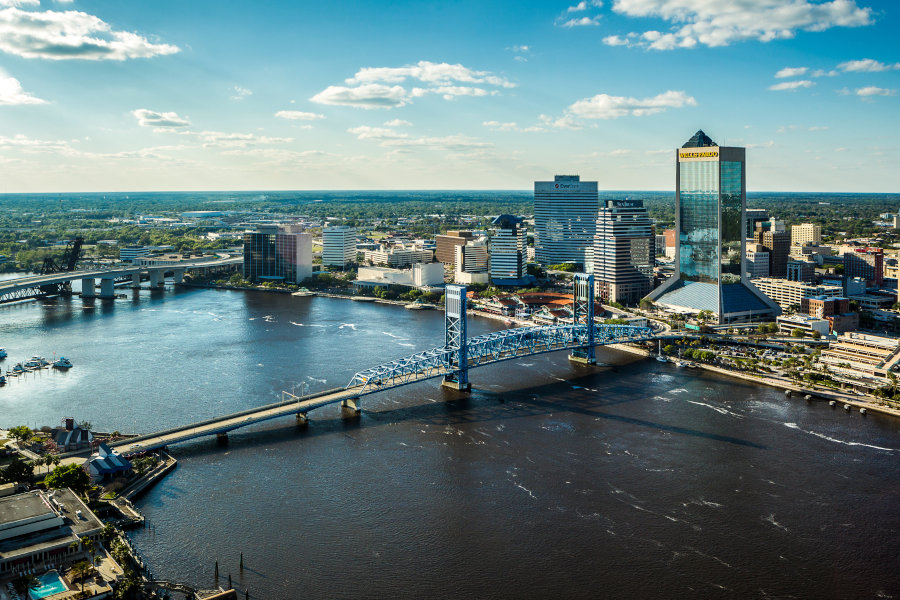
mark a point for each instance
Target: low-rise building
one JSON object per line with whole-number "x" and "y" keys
{"x": 835, "y": 310}
{"x": 787, "y": 293}
{"x": 130, "y": 253}
{"x": 37, "y": 529}
{"x": 471, "y": 263}
{"x": 808, "y": 325}
{"x": 106, "y": 464}
{"x": 862, "y": 360}
{"x": 398, "y": 256}
{"x": 421, "y": 276}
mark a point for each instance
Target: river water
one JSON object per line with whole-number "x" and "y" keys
{"x": 633, "y": 480}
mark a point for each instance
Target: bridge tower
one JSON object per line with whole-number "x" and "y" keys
{"x": 583, "y": 314}
{"x": 455, "y": 337}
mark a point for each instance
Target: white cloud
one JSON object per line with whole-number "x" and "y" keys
{"x": 219, "y": 139}
{"x": 604, "y": 106}
{"x": 866, "y": 65}
{"x": 564, "y": 122}
{"x": 582, "y": 22}
{"x": 521, "y": 48}
{"x": 874, "y": 91}
{"x": 723, "y": 22}
{"x": 498, "y": 126}
{"x": 61, "y": 35}
{"x": 298, "y": 115}
{"x": 584, "y": 5}
{"x": 617, "y": 40}
{"x": 791, "y": 72}
{"x": 11, "y": 92}
{"x": 792, "y": 85}
{"x": 21, "y": 143}
{"x": 364, "y": 132}
{"x": 824, "y": 73}
{"x": 397, "y": 123}
{"x": 373, "y": 95}
{"x": 818, "y": 128}
{"x": 369, "y": 88}
{"x": 240, "y": 93}
{"x": 150, "y": 118}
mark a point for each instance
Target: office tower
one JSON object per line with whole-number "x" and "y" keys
{"x": 801, "y": 270}
{"x": 865, "y": 263}
{"x": 281, "y": 255}
{"x": 338, "y": 246}
{"x": 471, "y": 263}
{"x": 807, "y": 233}
{"x": 624, "y": 252}
{"x": 507, "y": 251}
{"x": 753, "y": 218}
{"x": 778, "y": 243}
{"x": 710, "y": 197}
{"x": 757, "y": 260}
{"x": 565, "y": 216}
{"x": 445, "y": 245}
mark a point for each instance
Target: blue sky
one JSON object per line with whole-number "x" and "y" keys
{"x": 117, "y": 95}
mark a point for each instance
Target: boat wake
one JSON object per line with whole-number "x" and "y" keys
{"x": 718, "y": 409}
{"x": 837, "y": 441}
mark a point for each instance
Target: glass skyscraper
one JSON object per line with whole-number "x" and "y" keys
{"x": 565, "y": 217}
{"x": 710, "y": 201}
{"x": 624, "y": 252}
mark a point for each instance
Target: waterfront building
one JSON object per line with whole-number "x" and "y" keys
{"x": 70, "y": 437}
{"x": 398, "y": 256}
{"x": 446, "y": 243}
{"x": 757, "y": 261}
{"x": 808, "y": 325}
{"x": 130, "y": 253}
{"x": 753, "y": 217}
{"x": 106, "y": 463}
{"x": 471, "y": 264}
{"x": 38, "y": 527}
{"x": 624, "y": 252}
{"x": 788, "y": 293}
{"x": 862, "y": 360}
{"x": 425, "y": 276}
{"x": 565, "y": 216}
{"x": 807, "y": 233}
{"x": 277, "y": 254}
{"x": 506, "y": 254}
{"x": 338, "y": 246}
{"x": 710, "y": 197}
{"x": 778, "y": 244}
{"x": 865, "y": 263}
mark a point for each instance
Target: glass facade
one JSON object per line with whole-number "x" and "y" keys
{"x": 699, "y": 221}
{"x": 730, "y": 256}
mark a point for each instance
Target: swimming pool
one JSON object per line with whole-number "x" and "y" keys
{"x": 51, "y": 583}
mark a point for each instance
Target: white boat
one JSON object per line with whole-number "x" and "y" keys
{"x": 2, "y": 352}
{"x": 37, "y": 362}
{"x": 661, "y": 358}
{"x": 62, "y": 363}
{"x": 681, "y": 363}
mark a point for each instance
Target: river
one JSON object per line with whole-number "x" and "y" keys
{"x": 632, "y": 480}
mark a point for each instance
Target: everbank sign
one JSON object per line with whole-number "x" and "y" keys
{"x": 568, "y": 186}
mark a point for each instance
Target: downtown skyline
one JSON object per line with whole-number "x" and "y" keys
{"x": 112, "y": 96}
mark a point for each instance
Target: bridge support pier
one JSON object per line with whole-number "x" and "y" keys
{"x": 302, "y": 420}
{"x": 107, "y": 288}
{"x": 87, "y": 288}
{"x": 156, "y": 280}
{"x": 583, "y": 314}
{"x": 351, "y": 406}
{"x": 456, "y": 337}
{"x": 178, "y": 276}
{"x": 136, "y": 280}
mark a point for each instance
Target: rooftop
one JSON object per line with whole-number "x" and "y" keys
{"x": 700, "y": 140}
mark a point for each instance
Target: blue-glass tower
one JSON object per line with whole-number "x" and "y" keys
{"x": 710, "y": 205}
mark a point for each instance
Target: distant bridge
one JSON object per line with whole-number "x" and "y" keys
{"x": 451, "y": 362}
{"x": 36, "y": 286}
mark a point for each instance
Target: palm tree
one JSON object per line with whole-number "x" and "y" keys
{"x": 81, "y": 570}
{"x": 892, "y": 378}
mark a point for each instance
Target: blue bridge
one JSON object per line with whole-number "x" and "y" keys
{"x": 451, "y": 362}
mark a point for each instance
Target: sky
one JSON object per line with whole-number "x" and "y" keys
{"x": 129, "y": 95}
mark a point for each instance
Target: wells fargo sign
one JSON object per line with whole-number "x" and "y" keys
{"x": 698, "y": 154}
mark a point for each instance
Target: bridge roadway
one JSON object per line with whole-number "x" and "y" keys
{"x": 10, "y": 287}
{"x": 507, "y": 345}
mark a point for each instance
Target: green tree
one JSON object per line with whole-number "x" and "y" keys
{"x": 69, "y": 476}
{"x": 669, "y": 349}
{"x": 21, "y": 433}
{"x": 646, "y": 304}
{"x": 817, "y": 335}
{"x": 796, "y": 332}
{"x": 17, "y": 471}
{"x": 81, "y": 571}
{"x": 86, "y": 425}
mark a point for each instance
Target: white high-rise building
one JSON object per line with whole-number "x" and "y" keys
{"x": 757, "y": 261}
{"x": 471, "y": 264}
{"x": 565, "y": 218}
{"x": 338, "y": 246}
{"x": 624, "y": 252}
{"x": 507, "y": 255}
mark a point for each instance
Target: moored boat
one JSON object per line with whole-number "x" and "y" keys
{"x": 2, "y": 352}
{"x": 62, "y": 363}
